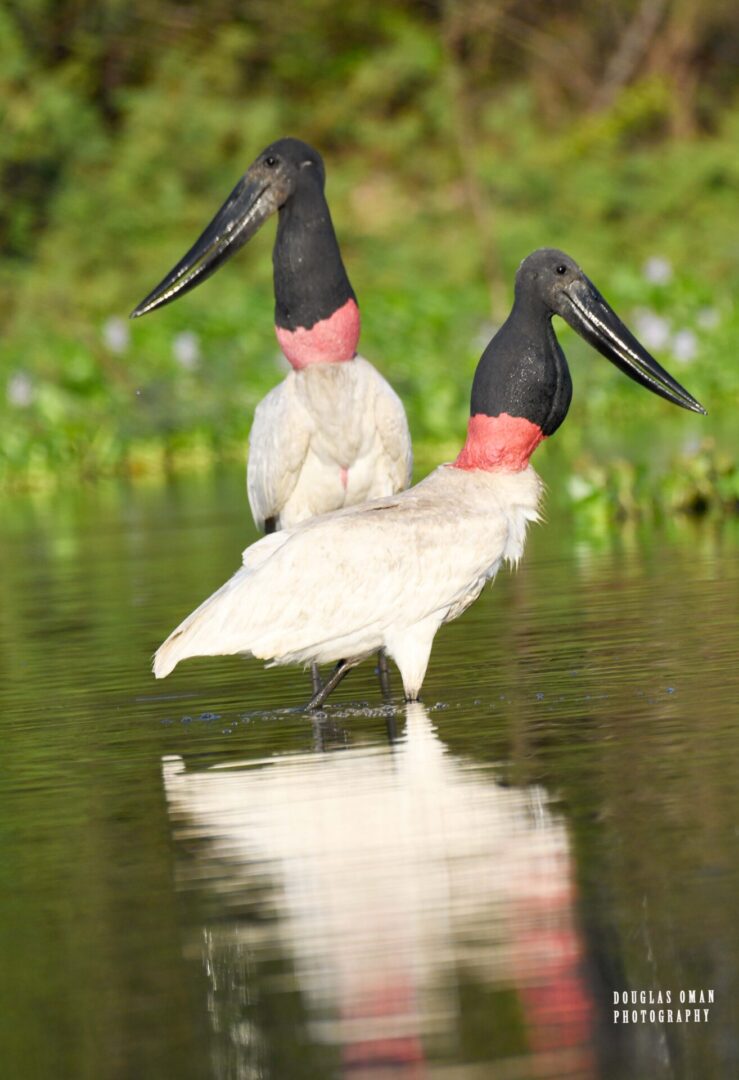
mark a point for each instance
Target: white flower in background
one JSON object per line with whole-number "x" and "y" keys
{"x": 652, "y": 329}
{"x": 708, "y": 318}
{"x": 19, "y": 391}
{"x": 186, "y": 349}
{"x": 579, "y": 488}
{"x": 658, "y": 270}
{"x": 116, "y": 335}
{"x": 684, "y": 346}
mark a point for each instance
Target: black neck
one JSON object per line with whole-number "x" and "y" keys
{"x": 310, "y": 280}
{"x": 523, "y": 371}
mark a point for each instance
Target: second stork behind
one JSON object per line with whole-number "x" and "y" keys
{"x": 333, "y": 433}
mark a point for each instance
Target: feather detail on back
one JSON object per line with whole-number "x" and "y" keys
{"x": 327, "y": 437}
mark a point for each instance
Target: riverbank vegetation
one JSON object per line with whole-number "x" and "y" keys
{"x": 458, "y": 137}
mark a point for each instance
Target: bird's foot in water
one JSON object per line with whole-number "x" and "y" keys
{"x": 331, "y": 683}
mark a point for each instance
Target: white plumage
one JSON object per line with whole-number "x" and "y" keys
{"x": 329, "y": 436}
{"x": 385, "y": 574}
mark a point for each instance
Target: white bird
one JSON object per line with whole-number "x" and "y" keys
{"x": 389, "y": 573}
{"x": 334, "y": 433}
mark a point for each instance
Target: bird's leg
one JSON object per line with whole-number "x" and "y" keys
{"x": 315, "y": 678}
{"x": 331, "y": 683}
{"x": 383, "y": 673}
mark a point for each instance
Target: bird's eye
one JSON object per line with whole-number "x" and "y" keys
{"x": 270, "y": 161}
{"x": 561, "y": 269}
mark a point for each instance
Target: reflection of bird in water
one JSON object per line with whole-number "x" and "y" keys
{"x": 397, "y": 879}
{"x": 388, "y": 574}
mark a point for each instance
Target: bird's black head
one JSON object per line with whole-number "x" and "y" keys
{"x": 549, "y": 280}
{"x": 286, "y": 164}
{"x": 544, "y": 276}
{"x": 523, "y": 373}
{"x": 281, "y": 170}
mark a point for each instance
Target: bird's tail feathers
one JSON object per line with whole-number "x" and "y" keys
{"x": 202, "y": 633}
{"x": 168, "y": 655}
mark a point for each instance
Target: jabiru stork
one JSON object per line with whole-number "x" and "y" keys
{"x": 333, "y": 433}
{"x": 389, "y": 573}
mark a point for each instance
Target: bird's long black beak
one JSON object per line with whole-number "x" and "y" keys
{"x": 248, "y": 206}
{"x": 594, "y": 319}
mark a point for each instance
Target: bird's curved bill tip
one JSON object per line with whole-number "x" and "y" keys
{"x": 596, "y": 321}
{"x": 250, "y": 203}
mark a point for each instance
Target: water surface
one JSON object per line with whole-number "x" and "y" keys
{"x": 199, "y": 881}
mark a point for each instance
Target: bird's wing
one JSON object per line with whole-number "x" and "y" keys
{"x": 344, "y": 579}
{"x": 258, "y": 552}
{"x": 279, "y": 442}
{"x": 392, "y": 428}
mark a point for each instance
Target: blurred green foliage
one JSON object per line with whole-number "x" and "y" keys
{"x": 458, "y": 137}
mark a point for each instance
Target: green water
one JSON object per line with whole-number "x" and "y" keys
{"x": 198, "y": 881}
